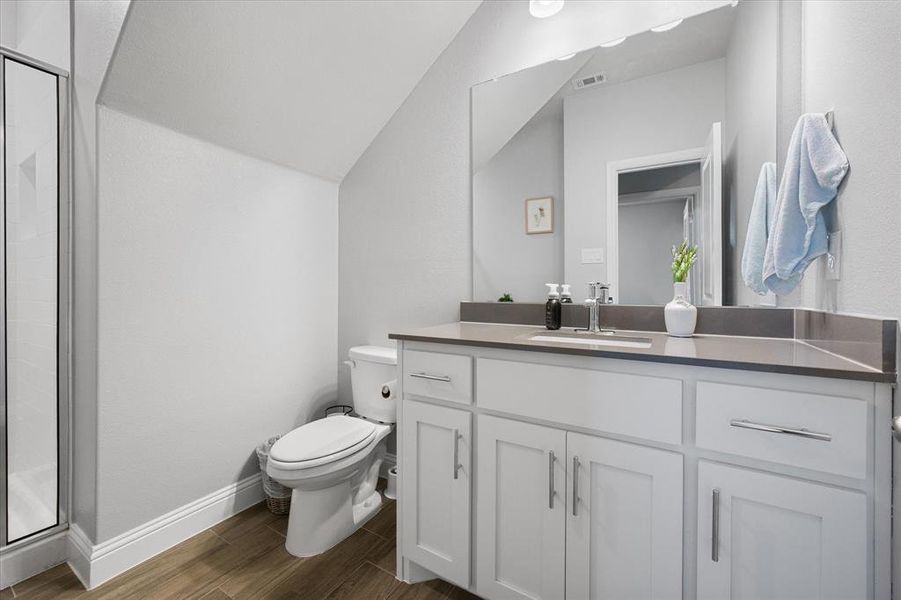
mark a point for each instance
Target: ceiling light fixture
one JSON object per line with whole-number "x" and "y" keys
{"x": 542, "y": 9}
{"x": 613, "y": 43}
{"x": 666, "y": 26}
{"x": 566, "y": 56}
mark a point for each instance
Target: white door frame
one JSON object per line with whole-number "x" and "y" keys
{"x": 639, "y": 163}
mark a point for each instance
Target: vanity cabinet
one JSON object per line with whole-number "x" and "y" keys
{"x": 601, "y": 516}
{"x": 624, "y": 529}
{"x": 597, "y": 478}
{"x": 437, "y": 488}
{"x": 768, "y": 536}
{"x": 522, "y": 501}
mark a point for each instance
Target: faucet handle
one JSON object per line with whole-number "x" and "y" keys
{"x": 594, "y": 289}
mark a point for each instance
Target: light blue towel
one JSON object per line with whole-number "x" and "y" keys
{"x": 760, "y": 223}
{"x": 814, "y": 168}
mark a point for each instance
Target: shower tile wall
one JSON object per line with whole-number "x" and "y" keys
{"x": 31, "y": 298}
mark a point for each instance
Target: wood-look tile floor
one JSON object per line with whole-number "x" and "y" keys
{"x": 245, "y": 557}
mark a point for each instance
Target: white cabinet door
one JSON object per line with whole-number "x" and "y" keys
{"x": 437, "y": 444}
{"x": 521, "y": 510}
{"x": 624, "y": 523}
{"x": 766, "y": 536}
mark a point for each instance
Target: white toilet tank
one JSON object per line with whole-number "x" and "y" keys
{"x": 373, "y": 376}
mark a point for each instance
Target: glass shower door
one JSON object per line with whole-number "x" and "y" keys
{"x": 34, "y": 234}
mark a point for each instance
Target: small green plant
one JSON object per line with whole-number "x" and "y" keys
{"x": 505, "y": 298}
{"x": 684, "y": 258}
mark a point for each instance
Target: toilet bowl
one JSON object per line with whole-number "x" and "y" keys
{"x": 332, "y": 464}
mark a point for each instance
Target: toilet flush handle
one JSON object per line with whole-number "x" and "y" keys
{"x": 388, "y": 389}
{"x": 350, "y": 363}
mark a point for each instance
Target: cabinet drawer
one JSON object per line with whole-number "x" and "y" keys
{"x": 633, "y": 405}
{"x": 439, "y": 376}
{"x": 813, "y": 431}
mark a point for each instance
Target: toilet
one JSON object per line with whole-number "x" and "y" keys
{"x": 332, "y": 464}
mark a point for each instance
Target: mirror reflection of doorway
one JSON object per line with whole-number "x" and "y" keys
{"x": 656, "y": 210}
{"x": 656, "y": 202}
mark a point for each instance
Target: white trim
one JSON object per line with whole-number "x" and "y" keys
{"x": 639, "y": 163}
{"x": 96, "y": 564}
{"x": 639, "y": 198}
{"x": 28, "y": 560}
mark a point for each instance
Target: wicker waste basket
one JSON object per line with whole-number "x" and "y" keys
{"x": 278, "y": 497}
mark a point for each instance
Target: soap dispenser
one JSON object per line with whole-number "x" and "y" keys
{"x": 553, "y": 310}
{"x": 566, "y": 297}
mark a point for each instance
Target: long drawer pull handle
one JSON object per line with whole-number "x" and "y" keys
{"x": 575, "y": 486}
{"x": 550, "y": 480}
{"x": 715, "y": 535}
{"x": 457, "y": 465}
{"x": 744, "y": 424}
{"x": 443, "y": 378}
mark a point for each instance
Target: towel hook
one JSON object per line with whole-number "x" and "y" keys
{"x": 830, "y": 118}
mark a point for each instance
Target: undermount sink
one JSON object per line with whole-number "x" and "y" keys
{"x": 591, "y": 339}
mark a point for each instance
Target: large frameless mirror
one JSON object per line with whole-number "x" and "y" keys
{"x": 591, "y": 167}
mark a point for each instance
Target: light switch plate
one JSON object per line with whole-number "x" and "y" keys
{"x": 592, "y": 256}
{"x": 834, "y": 256}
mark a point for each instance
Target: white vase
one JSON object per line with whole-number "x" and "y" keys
{"x": 679, "y": 314}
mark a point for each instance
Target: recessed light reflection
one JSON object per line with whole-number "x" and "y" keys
{"x": 667, "y": 26}
{"x": 542, "y": 9}
{"x": 613, "y": 43}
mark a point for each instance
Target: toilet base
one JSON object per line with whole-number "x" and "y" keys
{"x": 319, "y": 519}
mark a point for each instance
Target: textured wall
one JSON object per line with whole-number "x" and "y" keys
{"x": 852, "y": 65}
{"x": 667, "y": 112}
{"x": 505, "y": 258}
{"x": 97, "y": 26}
{"x": 405, "y": 213}
{"x": 217, "y": 315}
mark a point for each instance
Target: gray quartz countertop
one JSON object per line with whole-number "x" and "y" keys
{"x": 773, "y": 355}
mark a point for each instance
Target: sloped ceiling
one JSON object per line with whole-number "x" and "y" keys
{"x": 304, "y": 84}
{"x": 501, "y": 107}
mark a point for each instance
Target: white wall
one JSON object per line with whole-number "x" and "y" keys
{"x": 405, "y": 212}
{"x": 852, "y": 65}
{"x": 37, "y": 28}
{"x": 505, "y": 258}
{"x": 96, "y": 25}
{"x": 647, "y": 232}
{"x": 217, "y": 315}
{"x": 667, "y": 112}
{"x": 749, "y": 135}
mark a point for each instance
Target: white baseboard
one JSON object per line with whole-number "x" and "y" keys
{"x": 389, "y": 461}
{"x": 96, "y": 564}
{"x": 29, "y": 560}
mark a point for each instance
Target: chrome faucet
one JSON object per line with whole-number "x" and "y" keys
{"x": 598, "y": 294}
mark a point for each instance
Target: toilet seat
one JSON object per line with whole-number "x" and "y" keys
{"x": 322, "y": 442}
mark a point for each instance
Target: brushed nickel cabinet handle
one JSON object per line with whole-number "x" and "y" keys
{"x": 745, "y": 424}
{"x": 575, "y": 486}
{"x": 457, "y": 465}
{"x": 715, "y": 527}
{"x": 550, "y": 479}
{"x": 443, "y": 378}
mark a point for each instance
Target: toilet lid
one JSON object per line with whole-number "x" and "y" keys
{"x": 321, "y": 438}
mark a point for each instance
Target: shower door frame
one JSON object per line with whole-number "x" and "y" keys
{"x": 63, "y": 299}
